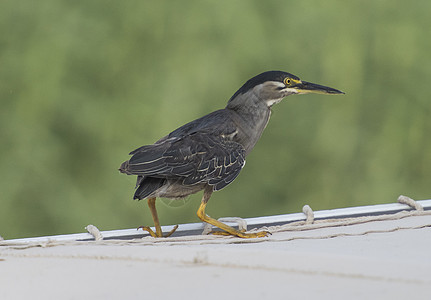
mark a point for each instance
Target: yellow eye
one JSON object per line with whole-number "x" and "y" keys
{"x": 287, "y": 81}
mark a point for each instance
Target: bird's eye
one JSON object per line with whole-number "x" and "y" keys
{"x": 287, "y": 81}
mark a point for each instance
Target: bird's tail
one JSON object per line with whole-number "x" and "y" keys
{"x": 148, "y": 185}
{"x": 124, "y": 168}
{"x": 145, "y": 186}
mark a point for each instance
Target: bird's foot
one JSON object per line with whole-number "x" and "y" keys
{"x": 243, "y": 234}
{"x": 157, "y": 235}
{"x": 227, "y": 230}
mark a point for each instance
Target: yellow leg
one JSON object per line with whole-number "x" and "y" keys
{"x": 232, "y": 231}
{"x": 152, "y": 206}
{"x": 158, "y": 233}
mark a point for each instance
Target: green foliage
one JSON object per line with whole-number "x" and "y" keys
{"x": 82, "y": 83}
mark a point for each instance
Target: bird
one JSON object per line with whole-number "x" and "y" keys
{"x": 209, "y": 153}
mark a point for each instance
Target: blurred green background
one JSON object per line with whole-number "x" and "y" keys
{"x": 82, "y": 83}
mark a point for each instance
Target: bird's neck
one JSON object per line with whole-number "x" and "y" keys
{"x": 253, "y": 115}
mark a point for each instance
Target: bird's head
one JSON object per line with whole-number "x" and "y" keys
{"x": 272, "y": 86}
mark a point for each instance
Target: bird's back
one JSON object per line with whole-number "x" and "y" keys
{"x": 202, "y": 152}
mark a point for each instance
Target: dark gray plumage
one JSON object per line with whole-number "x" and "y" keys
{"x": 198, "y": 153}
{"x": 209, "y": 153}
{"x": 212, "y": 149}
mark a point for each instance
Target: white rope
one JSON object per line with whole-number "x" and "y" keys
{"x": 292, "y": 227}
{"x": 95, "y": 232}
{"x": 318, "y": 224}
{"x": 309, "y": 214}
{"x": 211, "y": 239}
{"x": 296, "y": 227}
{"x": 410, "y": 202}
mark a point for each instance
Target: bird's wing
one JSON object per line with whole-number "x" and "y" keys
{"x": 195, "y": 158}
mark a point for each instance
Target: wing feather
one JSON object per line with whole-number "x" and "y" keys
{"x": 195, "y": 158}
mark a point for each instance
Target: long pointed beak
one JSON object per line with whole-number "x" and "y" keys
{"x": 307, "y": 87}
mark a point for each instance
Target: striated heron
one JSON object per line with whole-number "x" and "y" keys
{"x": 208, "y": 153}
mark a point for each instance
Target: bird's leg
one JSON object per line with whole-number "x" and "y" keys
{"x": 152, "y": 206}
{"x": 158, "y": 233}
{"x": 232, "y": 231}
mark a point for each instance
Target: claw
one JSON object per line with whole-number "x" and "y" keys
{"x": 172, "y": 231}
{"x": 154, "y": 234}
{"x": 148, "y": 229}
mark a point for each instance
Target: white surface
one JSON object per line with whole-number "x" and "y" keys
{"x": 185, "y": 229}
{"x": 374, "y": 260}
